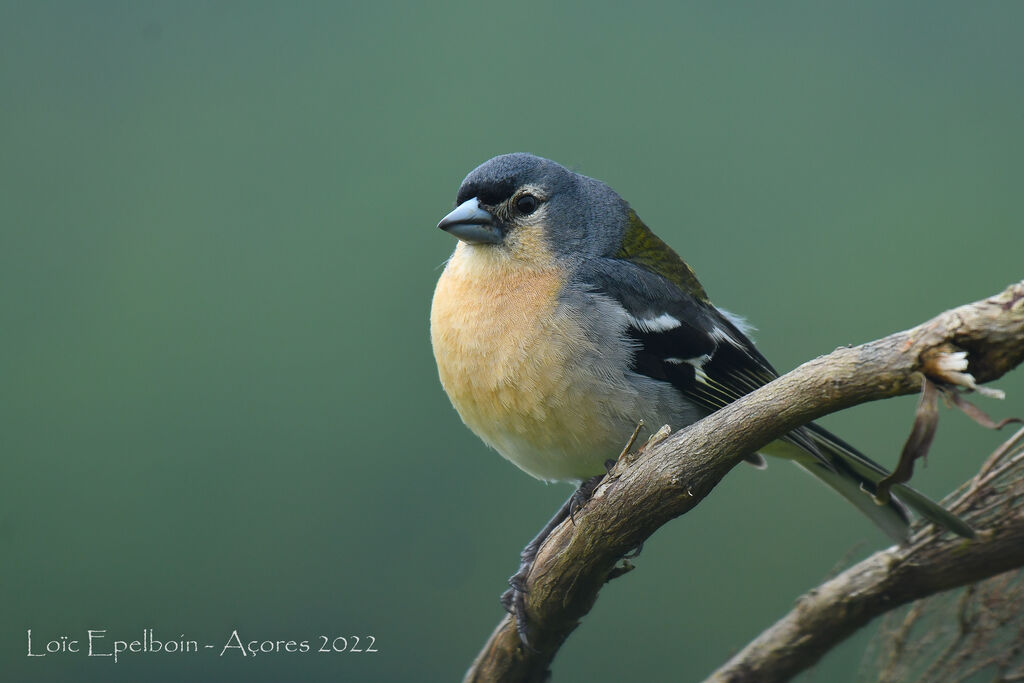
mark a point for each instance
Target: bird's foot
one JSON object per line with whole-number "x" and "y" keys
{"x": 580, "y": 497}
{"x": 514, "y": 599}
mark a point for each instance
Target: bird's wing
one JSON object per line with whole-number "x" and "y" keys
{"x": 682, "y": 339}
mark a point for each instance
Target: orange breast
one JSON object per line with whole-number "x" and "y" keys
{"x": 507, "y": 356}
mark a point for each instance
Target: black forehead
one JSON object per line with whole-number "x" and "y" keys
{"x": 496, "y": 180}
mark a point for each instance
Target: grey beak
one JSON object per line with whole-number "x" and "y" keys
{"x": 471, "y": 224}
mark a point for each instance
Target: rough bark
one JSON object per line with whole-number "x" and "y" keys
{"x": 889, "y": 578}
{"x": 670, "y": 477}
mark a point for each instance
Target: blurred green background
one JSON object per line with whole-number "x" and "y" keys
{"x": 217, "y": 251}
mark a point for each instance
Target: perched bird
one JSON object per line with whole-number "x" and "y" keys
{"x": 561, "y": 321}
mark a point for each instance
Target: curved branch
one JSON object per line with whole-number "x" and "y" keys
{"x": 668, "y": 478}
{"x": 889, "y": 578}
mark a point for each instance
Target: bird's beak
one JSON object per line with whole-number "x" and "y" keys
{"x": 471, "y": 224}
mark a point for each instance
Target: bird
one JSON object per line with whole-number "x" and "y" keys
{"x": 561, "y": 322}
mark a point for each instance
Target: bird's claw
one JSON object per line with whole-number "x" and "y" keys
{"x": 582, "y": 495}
{"x": 514, "y": 601}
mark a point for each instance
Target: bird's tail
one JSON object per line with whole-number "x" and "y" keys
{"x": 855, "y": 476}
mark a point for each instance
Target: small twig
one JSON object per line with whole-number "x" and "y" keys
{"x": 926, "y": 421}
{"x": 998, "y": 454}
{"x": 963, "y": 632}
{"x": 898, "y": 642}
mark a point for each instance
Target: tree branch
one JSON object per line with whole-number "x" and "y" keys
{"x": 828, "y": 614}
{"x": 668, "y": 478}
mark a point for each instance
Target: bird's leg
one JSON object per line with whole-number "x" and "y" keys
{"x": 514, "y": 599}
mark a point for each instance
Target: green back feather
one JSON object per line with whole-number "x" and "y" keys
{"x": 644, "y": 248}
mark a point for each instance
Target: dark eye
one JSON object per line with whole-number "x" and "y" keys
{"x": 526, "y": 204}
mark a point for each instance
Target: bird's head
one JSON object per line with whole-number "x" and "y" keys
{"x": 526, "y": 205}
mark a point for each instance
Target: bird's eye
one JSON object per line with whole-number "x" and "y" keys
{"x": 526, "y": 204}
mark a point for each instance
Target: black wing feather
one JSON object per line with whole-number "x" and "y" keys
{"x": 707, "y": 358}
